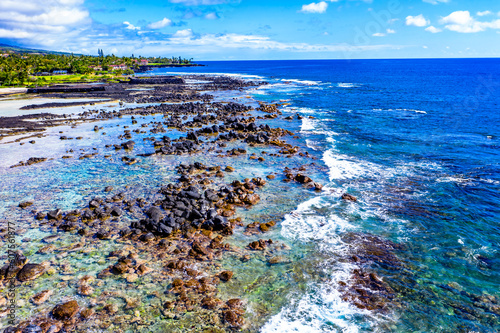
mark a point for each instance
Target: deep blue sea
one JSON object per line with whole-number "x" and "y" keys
{"x": 417, "y": 142}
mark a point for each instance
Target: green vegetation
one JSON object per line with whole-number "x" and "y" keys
{"x": 35, "y": 69}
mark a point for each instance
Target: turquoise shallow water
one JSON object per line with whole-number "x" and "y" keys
{"x": 410, "y": 139}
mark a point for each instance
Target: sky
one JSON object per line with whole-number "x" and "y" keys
{"x": 257, "y": 29}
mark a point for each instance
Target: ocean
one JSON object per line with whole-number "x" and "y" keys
{"x": 415, "y": 141}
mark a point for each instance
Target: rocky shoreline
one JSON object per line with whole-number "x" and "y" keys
{"x": 179, "y": 236}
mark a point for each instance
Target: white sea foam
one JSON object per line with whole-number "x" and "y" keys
{"x": 402, "y": 110}
{"x": 322, "y": 308}
{"x": 301, "y": 110}
{"x": 344, "y": 167}
{"x": 308, "y": 124}
{"x": 348, "y": 85}
{"x": 303, "y": 82}
{"x": 312, "y": 144}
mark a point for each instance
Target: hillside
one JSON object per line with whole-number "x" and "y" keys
{"x": 4, "y": 48}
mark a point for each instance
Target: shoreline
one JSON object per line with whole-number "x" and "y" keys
{"x": 190, "y": 222}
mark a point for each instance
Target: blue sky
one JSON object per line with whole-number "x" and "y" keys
{"x": 257, "y": 29}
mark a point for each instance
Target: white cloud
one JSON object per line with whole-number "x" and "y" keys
{"x": 433, "y": 29}
{"x": 425, "y": 47}
{"x": 130, "y": 26}
{"x": 418, "y": 21}
{"x": 211, "y": 16}
{"x": 378, "y": 34}
{"x": 485, "y": 13}
{"x": 186, "y": 33}
{"x": 160, "y": 24}
{"x": 391, "y": 31}
{"x": 463, "y": 22}
{"x": 319, "y": 7}
{"x": 435, "y": 2}
{"x": 43, "y": 20}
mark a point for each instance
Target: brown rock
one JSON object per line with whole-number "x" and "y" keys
{"x": 229, "y": 169}
{"x": 225, "y": 275}
{"x": 271, "y": 177}
{"x": 25, "y": 204}
{"x": 143, "y": 269}
{"x": 349, "y": 197}
{"x": 120, "y": 268}
{"x": 302, "y": 179}
{"x": 252, "y": 199}
{"x": 259, "y": 245}
{"x": 86, "y": 313}
{"x": 30, "y": 272}
{"x": 235, "y": 303}
{"x": 66, "y": 310}
{"x": 41, "y": 297}
{"x": 85, "y": 290}
{"x": 233, "y": 318}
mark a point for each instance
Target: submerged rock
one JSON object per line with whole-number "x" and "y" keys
{"x": 349, "y": 197}
{"x": 41, "y": 297}
{"x": 66, "y": 310}
{"x": 30, "y": 272}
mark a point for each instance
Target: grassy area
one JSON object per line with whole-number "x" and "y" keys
{"x": 72, "y": 78}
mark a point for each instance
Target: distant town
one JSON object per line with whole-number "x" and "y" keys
{"x": 19, "y": 68}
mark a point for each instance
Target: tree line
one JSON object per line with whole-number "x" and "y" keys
{"x": 16, "y": 69}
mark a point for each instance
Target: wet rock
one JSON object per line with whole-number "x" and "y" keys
{"x": 276, "y": 260}
{"x": 25, "y": 204}
{"x": 349, "y": 197}
{"x": 85, "y": 290}
{"x": 31, "y": 328}
{"x": 271, "y": 177}
{"x": 30, "y": 272}
{"x": 147, "y": 237}
{"x": 66, "y": 310}
{"x": 120, "y": 268}
{"x": 210, "y": 302}
{"x": 41, "y": 297}
{"x": 259, "y": 245}
{"x": 116, "y": 211}
{"x": 252, "y": 199}
{"x": 108, "y": 189}
{"x": 47, "y": 249}
{"x": 154, "y": 213}
{"x": 302, "y": 179}
{"x": 233, "y": 318}
{"x": 128, "y": 145}
{"x": 86, "y": 313}
{"x": 54, "y": 214}
{"x": 229, "y": 169}
{"x": 225, "y": 275}
{"x": 143, "y": 269}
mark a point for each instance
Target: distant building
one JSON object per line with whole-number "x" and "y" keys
{"x": 144, "y": 61}
{"x": 116, "y": 67}
{"x": 60, "y": 72}
{"x": 5, "y": 55}
{"x": 96, "y": 68}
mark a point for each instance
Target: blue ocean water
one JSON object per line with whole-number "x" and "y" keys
{"x": 417, "y": 141}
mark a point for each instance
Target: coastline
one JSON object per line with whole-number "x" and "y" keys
{"x": 165, "y": 238}
{"x": 332, "y": 258}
